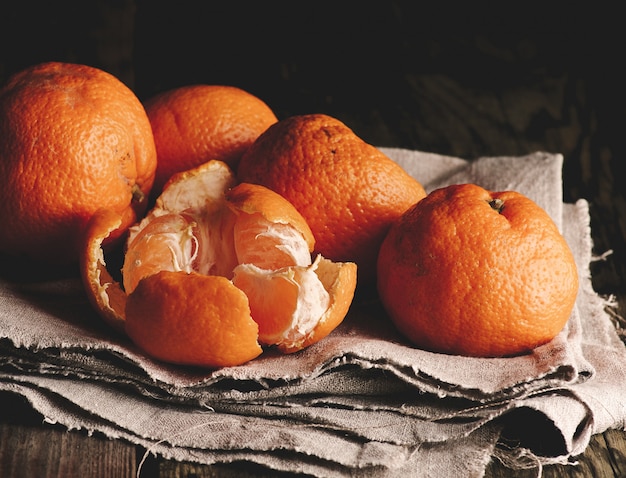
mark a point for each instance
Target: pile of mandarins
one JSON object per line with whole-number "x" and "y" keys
{"x": 241, "y": 232}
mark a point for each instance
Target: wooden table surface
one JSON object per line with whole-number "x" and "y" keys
{"x": 398, "y": 76}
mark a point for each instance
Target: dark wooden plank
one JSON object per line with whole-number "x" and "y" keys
{"x": 30, "y": 447}
{"x": 237, "y": 470}
{"x": 615, "y": 441}
{"x": 52, "y": 452}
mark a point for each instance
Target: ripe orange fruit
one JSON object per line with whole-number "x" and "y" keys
{"x": 472, "y": 272}
{"x": 214, "y": 270}
{"x": 74, "y": 139}
{"x": 348, "y": 191}
{"x": 194, "y": 124}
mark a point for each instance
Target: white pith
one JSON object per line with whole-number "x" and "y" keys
{"x": 291, "y": 242}
{"x": 95, "y": 270}
{"x": 312, "y": 300}
{"x": 283, "y": 237}
{"x": 199, "y": 194}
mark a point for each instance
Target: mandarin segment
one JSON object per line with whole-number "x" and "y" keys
{"x": 339, "y": 280}
{"x": 268, "y": 244}
{"x": 169, "y": 242}
{"x": 296, "y": 307}
{"x": 287, "y": 303}
{"x": 250, "y": 199}
{"x": 471, "y": 272}
{"x": 268, "y": 231}
{"x": 273, "y": 296}
{"x": 348, "y": 191}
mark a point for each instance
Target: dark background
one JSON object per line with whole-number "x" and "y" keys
{"x": 351, "y": 59}
{"x": 345, "y": 58}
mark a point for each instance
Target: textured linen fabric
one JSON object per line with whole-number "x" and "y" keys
{"x": 362, "y": 401}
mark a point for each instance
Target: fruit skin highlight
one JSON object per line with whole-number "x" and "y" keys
{"x": 348, "y": 191}
{"x": 472, "y": 272}
{"x": 74, "y": 139}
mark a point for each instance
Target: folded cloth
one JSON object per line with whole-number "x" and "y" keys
{"x": 363, "y": 399}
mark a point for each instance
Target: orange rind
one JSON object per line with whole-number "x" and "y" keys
{"x": 192, "y": 319}
{"x": 104, "y": 293}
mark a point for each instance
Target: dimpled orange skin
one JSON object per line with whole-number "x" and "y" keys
{"x": 460, "y": 273}
{"x": 74, "y": 139}
{"x": 197, "y": 123}
{"x": 192, "y": 319}
{"x": 348, "y": 191}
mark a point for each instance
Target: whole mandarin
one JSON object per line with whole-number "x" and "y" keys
{"x": 471, "y": 272}
{"x": 74, "y": 139}
{"x": 348, "y": 191}
{"x": 197, "y": 123}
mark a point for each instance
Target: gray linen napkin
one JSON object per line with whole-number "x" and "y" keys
{"x": 363, "y": 400}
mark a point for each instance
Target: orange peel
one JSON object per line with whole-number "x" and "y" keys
{"x": 104, "y": 293}
{"x": 192, "y": 319}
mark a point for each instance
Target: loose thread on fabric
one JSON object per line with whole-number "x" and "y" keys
{"x": 611, "y": 307}
{"x": 602, "y": 257}
{"x": 175, "y": 435}
{"x": 518, "y": 458}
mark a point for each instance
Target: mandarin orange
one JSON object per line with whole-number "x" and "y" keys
{"x": 472, "y": 272}
{"x": 196, "y": 123}
{"x": 348, "y": 191}
{"x": 247, "y": 236}
{"x": 74, "y": 139}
